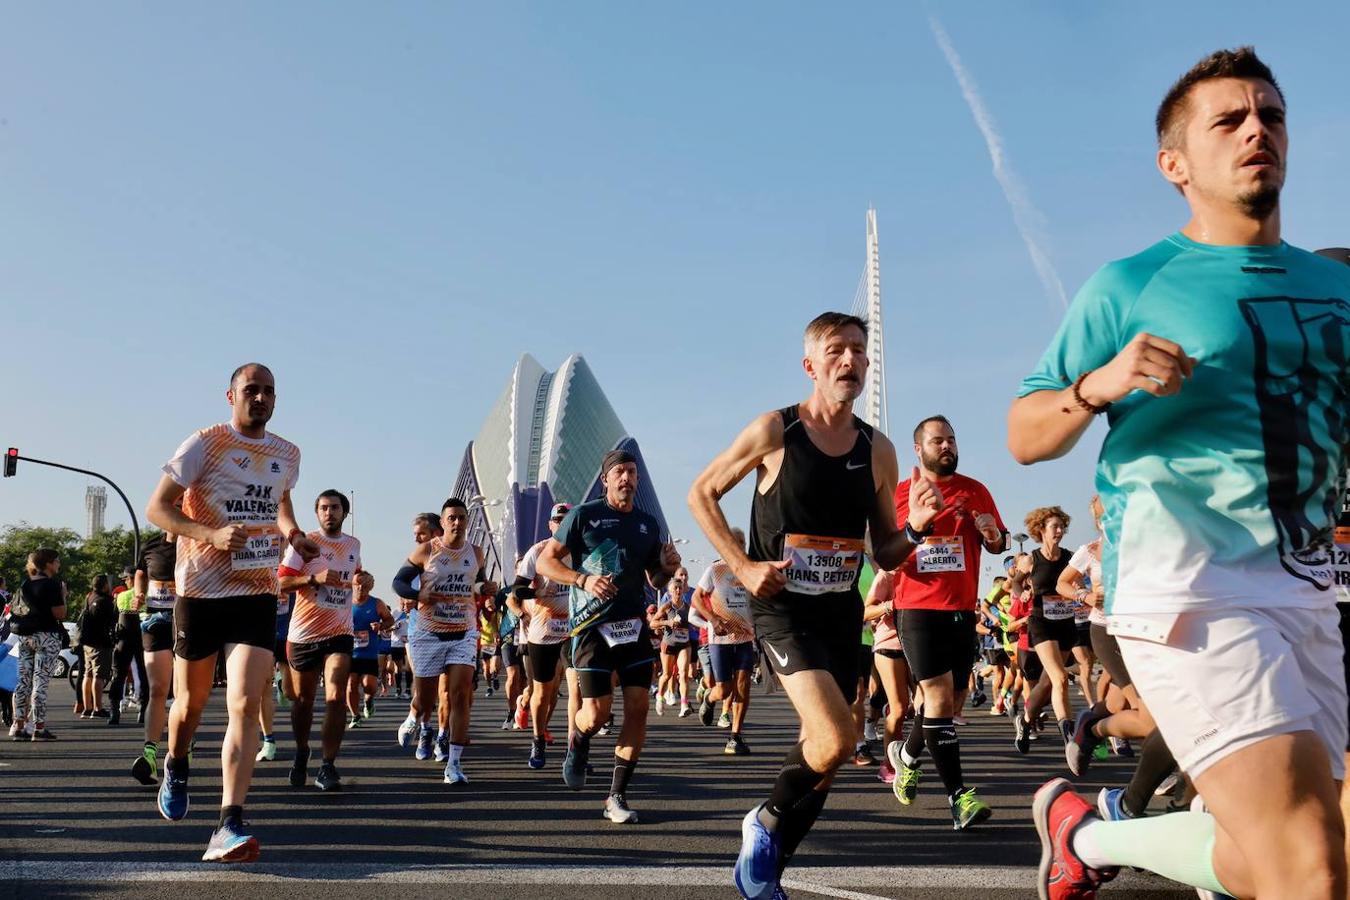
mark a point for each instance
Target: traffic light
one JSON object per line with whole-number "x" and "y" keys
{"x": 11, "y": 461}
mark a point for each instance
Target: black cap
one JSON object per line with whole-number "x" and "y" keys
{"x": 615, "y": 458}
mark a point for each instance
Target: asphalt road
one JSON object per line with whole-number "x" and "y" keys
{"x": 73, "y": 823}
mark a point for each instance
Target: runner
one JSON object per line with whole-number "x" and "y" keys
{"x": 935, "y": 593}
{"x": 399, "y": 673}
{"x": 320, "y": 638}
{"x": 823, "y": 476}
{"x": 512, "y": 650}
{"x": 425, "y": 527}
{"x": 1221, "y": 355}
{"x": 370, "y": 619}
{"x": 235, "y": 480}
{"x": 1050, "y": 627}
{"x": 280, "y": 691}
{"x": 154, "y": 587}
{"x": 444, "y": 639}
{"x": 673, "y": 616}
{"x": 725, "y": 602}
{"x": 889, "y": 658}
{"x": 544, "y": 602}
{"x": 616, "y": 550}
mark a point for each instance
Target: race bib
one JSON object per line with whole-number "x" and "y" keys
{"x": 625, "y": 631}
{"x": 331, "y": 597}
{"x": 362, "y": 639}
{"x": 160, "y": 595}
{"x": 450, "y": 611}
{"x": 261, "y": 551}
{"x": 941, "y": 554}
{"x": 1056, "y": 608}
{"x": 1082, "y": 613}
{"x": 679, "y": 636}
{"x": 821, "y": 565}
{"x": 557, "y": 627}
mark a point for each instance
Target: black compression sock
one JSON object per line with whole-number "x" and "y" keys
{"x": 1155, "y": 764}
{"x": 623, "y": 773}
{"x": 796, "y": 780}
{"x": 877, "y": 701}
{"x": 939, "y": 734}
{"x": 176, "y": 767}
{"x": 914, "y": 741}
{"x": 795, "y": 825}
{"x": 233, "y": 815}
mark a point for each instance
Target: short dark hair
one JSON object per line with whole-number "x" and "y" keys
{"x": 828, "y": 323}
{"x": 918, "y": 429}
{"x": 1240, "y": 63}
{"x": 431, "y": 520}
{"x": 249, "y": 365}
{"x": 454, "y": 503}
{"x": 341, "y": 498}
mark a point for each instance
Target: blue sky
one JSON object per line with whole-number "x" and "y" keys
{"x": 389, "y": 204}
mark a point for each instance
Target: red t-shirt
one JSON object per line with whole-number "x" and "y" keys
{"x": 1021, "y": 608}
{"x": 944, "y": 572}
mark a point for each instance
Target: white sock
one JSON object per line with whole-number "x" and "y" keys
{"x": 456, "y": 751}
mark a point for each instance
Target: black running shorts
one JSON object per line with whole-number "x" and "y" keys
{"x": 309, "y": 656}
{"x": 511, "y": 655}
{"x": 365, "y": 666}
{"x": 1082, "y": 634}
{"x": 541, "y": 660}
{"x": 799, "y": 632}
{"x": 938, "y": 642}
{"x": 1062, "y": 631}
{"x": 596, "y": 662}
{"x": 159, "y": 635}
{"x": 205, "y": 626}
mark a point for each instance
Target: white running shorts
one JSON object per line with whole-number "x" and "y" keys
{"x": 430, "y": 655}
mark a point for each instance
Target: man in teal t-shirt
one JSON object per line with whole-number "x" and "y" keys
{"x": 1221, "y": 356}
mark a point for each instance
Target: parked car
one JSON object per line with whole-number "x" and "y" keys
{"x": 69, "y": 660}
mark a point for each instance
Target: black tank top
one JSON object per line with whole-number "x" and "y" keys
{"x": 1045, "y": 576}
{"x": 814, "y": 494}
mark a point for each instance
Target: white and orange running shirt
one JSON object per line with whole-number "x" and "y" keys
{"x": 447, "y": 603}
{"x": 326, "y": 610}
{"x": 548, "y": 609}
{"x": 232, "y": 479}
{"x": 730, "y": 600}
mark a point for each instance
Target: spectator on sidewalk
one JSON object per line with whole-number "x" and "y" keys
{"x": 96, "y": 637}
{"x": 36, "y": 612}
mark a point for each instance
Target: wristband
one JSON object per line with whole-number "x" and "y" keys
{"x": 914, "y": 536}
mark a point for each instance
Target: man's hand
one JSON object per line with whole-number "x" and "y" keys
{"x": 230, "y": 537}
{"x": 601, "y": 586}
{"x": 326, "y": 578}
{"x": 764, "y": 579}
{"x": 1148, "y": 363}
{"x": 670, "y": 559}
{"x": 1097, "y": 596}
{"x": 305, "y": 547}
{"x": 137, "y": 599}
{"x": 987, "y": 525}
{"x": 925, "y": 501}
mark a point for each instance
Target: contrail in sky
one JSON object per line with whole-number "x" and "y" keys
{"x": 1030, "y": 222}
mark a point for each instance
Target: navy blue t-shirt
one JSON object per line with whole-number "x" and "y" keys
{"x": 622, "y": 545}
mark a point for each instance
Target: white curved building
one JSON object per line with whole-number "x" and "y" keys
{"x": 541, "y": 443}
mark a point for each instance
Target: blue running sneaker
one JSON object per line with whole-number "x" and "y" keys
{"x": 173, "y": 796}
{"x": 1111, "y": 806}
{"x": 757, "y": 867}
{"x": 441, "y": 750}
{"x": 229, "y": 845}
{"x": 779, "y": 893}
{"x": 574, "y": 768}
{"x": 537, "y": 755}
{"x": 406, "y": 732}
{"x": 424, "y": 742}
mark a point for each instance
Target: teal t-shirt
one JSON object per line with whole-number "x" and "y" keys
{"x": 1222, "y": 493}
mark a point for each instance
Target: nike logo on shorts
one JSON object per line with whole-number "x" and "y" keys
{"x": 781, "y": 658}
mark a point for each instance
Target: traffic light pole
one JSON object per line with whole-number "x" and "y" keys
{"x": 135, "y": 524}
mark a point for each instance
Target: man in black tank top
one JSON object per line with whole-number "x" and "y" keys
{"x": 823, "y": 477}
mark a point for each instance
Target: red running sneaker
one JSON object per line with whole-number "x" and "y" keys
{"x": 1058, "y": 811}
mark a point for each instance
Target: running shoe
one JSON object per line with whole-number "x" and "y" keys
{"x": 101, "y": 714}
{"x": 230, "y": 845}
{"x": 684, "y": 710}
{"x": 660, "y": 704}
{"x": 997, "y": 709}
{"x": 406, "y": 732}
{"x": 328, "y": 778}
{"x": 778, "y": 892}
{"x": 1111, "y": 805}
{"x": 267, "y": 752}
{"x": 671, "y": 699}
{"x": 607, "y": 728}
{"x": 490, "y": 691}
{"x": 454, "y": 774}
{"x": 724, "y": 720}
{"x": 424, "y": 741}
{"x": 730, "y": 747}
{"x": 701, "y": 693}
{"x": 173, "y": 796}
{"x": 18, "y": 732}
{"x": 299, "y": 771}
{"x": 537, "y": 758}
{"x": 741, "y": 747}
{"x": 869, "y": 731}
{"x": 368, "y": 708}
{"x": 508, "y": 722}
{"x": 886, "y": 773}
{"x": 548, "y": 737}
{"x": 441, "y": 750}
{"x": 145, "y": 769}
{"x": 1101, "y": 752}
{"x": 969, "y": 810}
{"x": 1021, "y": 734}
{"x": 705, "y": 712}
{"x": 906, "y": 784}
{"x": 353, "y": 722}
{"x": 618, "y": 811}
{"x": 756, "y": 871}
{"x": 1058, "y": 812}
{"x": 960, "y": 720}
{"x": 43, "y": 733}
{"x": 893, "y": 755}
{"x": 574, "y": 770}
{"x": 1121, "y": 747}
{"x": 522, "y": 718}
{"x": 1078, "y": 749}
{"x": 1168, "y": 785}
{"x": 863, "y": 756}
{"x": 977, "y": 699}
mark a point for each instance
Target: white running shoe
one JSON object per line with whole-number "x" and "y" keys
{"x": 267, "y": 752}
{"x": 406, "y": 731}
{"x": 454, "y": 774}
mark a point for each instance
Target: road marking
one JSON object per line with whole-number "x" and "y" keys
{"x": 829, "y": 881}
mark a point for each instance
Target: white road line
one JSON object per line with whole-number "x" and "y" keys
{"x": 829, "y": 881}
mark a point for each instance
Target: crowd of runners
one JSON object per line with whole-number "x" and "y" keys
{"x": 1198, "y": 631}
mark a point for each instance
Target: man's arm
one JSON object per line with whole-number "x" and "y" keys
{"x": 552, "y": 567}
{"x": 163, "y": 512}
{"x": 747, "y": 453}
{"x": 291, "y": 531}
{"x": 892, "y": 545}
